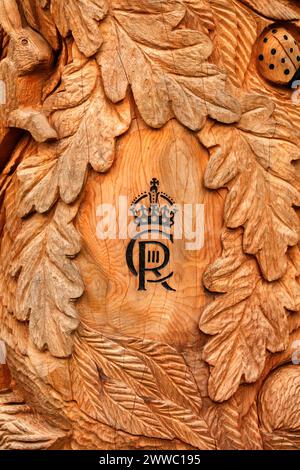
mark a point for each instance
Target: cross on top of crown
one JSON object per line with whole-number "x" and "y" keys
{"x": 154, "y": 184}
{"x": 154, "y": 194}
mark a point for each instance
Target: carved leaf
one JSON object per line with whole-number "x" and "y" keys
{"x": 128, "y": 411}
{"x": 96, "y": 144}
{"x": 110, "y": 401}
{"x": 246, "y": 322}
{"x": 183, "y": 424}
{"x": 276, "y": 9}
{"x": 152, "y": 361}
{"x": 250, "y": 429}
{"x": 224, "y": 423}
{"x": 254, "y": 161}
{"x": 145, "y": 388}
{"x": 81, "y": 17}
{"x": 236, "y": 33}
{"x": 85, "y": 383}
{"x": 247, "y": 36}
{"x": 78, "y": 82}
{"x": 38, "y": 176}
{"x": 199, "y": 16}
{"x": 48, "y": 281}
{"x": 176, "y": 80}
{"x": 78, "y": 103}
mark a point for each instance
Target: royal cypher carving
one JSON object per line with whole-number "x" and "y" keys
{"x": 99, "y": 97}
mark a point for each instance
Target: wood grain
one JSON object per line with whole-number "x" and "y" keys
{"x": 112, "y": 301}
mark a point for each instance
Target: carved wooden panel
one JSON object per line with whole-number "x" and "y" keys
{"x": 180, "y": 329}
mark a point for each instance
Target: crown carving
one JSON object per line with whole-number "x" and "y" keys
{"x": 153, "y": 207}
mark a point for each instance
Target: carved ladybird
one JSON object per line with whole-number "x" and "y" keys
{"x": 278, "y": 56}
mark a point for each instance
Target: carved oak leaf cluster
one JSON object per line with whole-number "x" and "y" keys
{"x": 199, "y": 16}
{"x": 61, "y": 168}
{"x": 247, "y": 321}
{"x": 138, "y": 386}
{"x": 43, "y": 249}
{"x": 81, "y": 95}
{"x": 81, "y": 18}
{"x": 161, "y": 52}
{"x": 254, "y": 161}
{"x": 48, "y": 280}
{"x": 175, "y": 80}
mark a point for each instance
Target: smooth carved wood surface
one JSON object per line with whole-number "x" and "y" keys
{"x": 191, "y": 100}
{"x": 157, "y": 313}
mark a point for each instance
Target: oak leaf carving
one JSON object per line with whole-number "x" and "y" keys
{"x": 43, "y": 249}
{"x": 63, "y": 166}
{"x": 254, "y": 161}
{"x": 246, "y": 322}
{"x": 176, "y": 81}
{"x": 38, "y": 177}
{"x": 48, "y": 280}
{"x": 81, "y": 17}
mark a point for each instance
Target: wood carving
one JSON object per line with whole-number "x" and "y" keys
{"x": 193, "y": 103}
